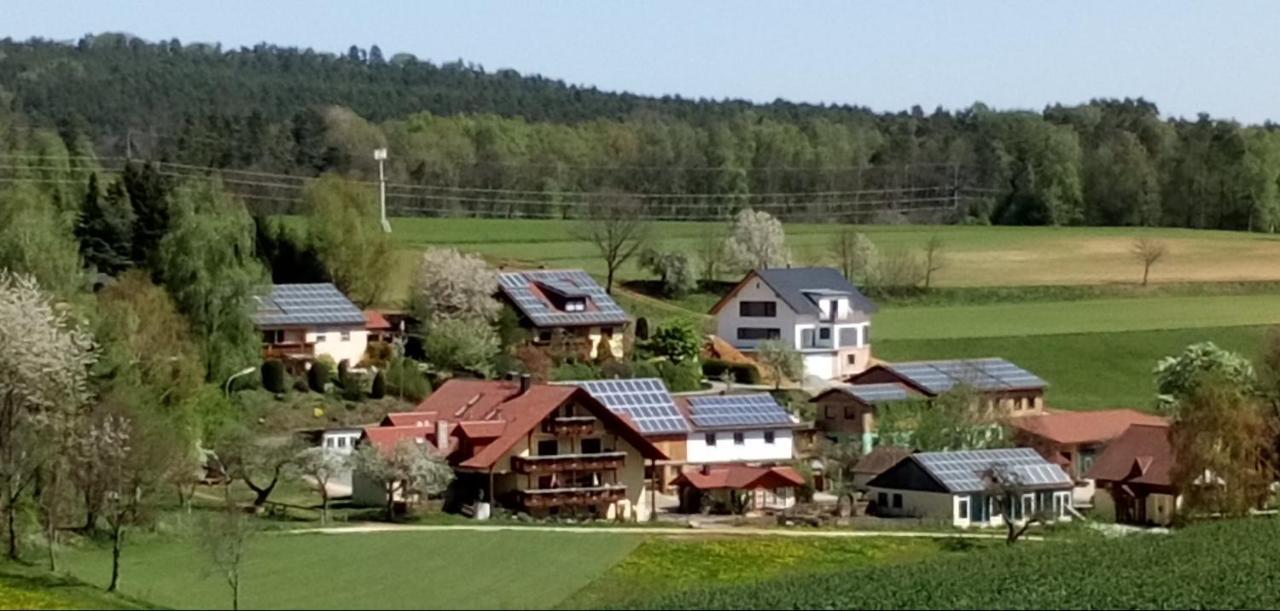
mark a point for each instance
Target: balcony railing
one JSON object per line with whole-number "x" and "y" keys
{"x": 288, "y": 349}
{"x": 568, "y": 462}
{"x": 573, "y": 497}
{"x": 578, "y": 426}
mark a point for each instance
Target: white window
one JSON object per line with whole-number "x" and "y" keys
{"x": 342, "y": 442}
{"x": 962, "y": 510}
{"x": 320, "y": 338}
{"x": 346, "y": 336}
{"x": 575, "y": 305}
{"x": 329, "y": 443}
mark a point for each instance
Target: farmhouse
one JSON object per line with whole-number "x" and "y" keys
{"x": 1001, "y": 383}
{"x": 300, "y": 322}
{"x": 849, "y": 412}
{"x": 566, "y": 309}
{"x": 545, "y": 450}
{"x": 954, "y": 487}
{"x": 814, "y": 309}
{"x": 876, "y": 462}
{"x": 737, "y": 488}
{"x": 1075, "y": 439}
{"x": 1134, "y": 477}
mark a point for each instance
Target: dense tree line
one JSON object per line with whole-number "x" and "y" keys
{"x": 464, "y": 140}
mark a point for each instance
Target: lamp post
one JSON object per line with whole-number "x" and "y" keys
{"x": 381, "y": 156}
{"x": 226, "y": 389}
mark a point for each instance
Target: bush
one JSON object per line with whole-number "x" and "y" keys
{"x": 320, "y": 374}
{"x": 575, "y": 371}
{"x": 743, "y": 373}
{"x": 673, "y": 269}
{"x": 677, "y": 340}
{"x": 273, "y": 376}
{"x": 616, "y": 370}
{"x": 352, "y": 385}
{"x": 644, "y": 369}
{"x": 680, "y": 377}
{"x": 379, "y": 353}
{"x": 378, "y": 389}
{"x": 405, "y": 380}
{"x": 535, "y": 362}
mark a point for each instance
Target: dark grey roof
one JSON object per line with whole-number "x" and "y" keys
{"x": 877, "y": 393}
{"x": 798, "y": 285}
{"x": 525, "y": 289}
{"x": 962, "y": 471}
{"x": 758, "y": 410}
{"x": 990, "y": 374}
{"x": 645, "y": 400}
{"x": 320, "y": 304}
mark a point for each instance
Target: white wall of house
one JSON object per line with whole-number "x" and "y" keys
{"x": 340, "y": 343}
{"x": 342, "y": 441}
{"x": 729, "y": 320}
{"x": 946, "y": 507}
{"x": 753, "y": 448}
{"x": 915, "y": 503}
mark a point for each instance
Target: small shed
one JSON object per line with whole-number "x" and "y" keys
{"x": 741, "y": 487}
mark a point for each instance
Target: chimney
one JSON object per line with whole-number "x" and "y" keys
{"x": 442, "y": 435}
{"x": 513, "y": 376}
{"x": 706, "y": 469}
{"x": 525, "y": 382}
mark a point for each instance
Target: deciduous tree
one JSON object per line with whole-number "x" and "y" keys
{"x": 450, "y": 285}
{"x": 461, "y": 345}
{"x": 322, "y": 466}
{"x": 757, "y": 241}
{"x": 344, "y": 224}
{"x": 780, "y": 360}
{"x": 403, "y": 471}
{"x": 1148, "y": 252}
{"x": 1177, "y": 376}
{"x": 617, "y": 227}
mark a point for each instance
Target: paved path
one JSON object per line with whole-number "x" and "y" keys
{"x": 657, "y": 530}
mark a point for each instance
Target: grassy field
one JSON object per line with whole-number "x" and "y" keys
{"x": 664, "y": 565}
{"x": 1224, "y": 565}
{"x": 1085, "y": 371}
{"x": 385, "y": 570}
{"x": 976, "y": 256}
{"x": 28, "y": 587}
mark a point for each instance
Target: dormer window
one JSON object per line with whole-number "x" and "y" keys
{"x": 575, "y": 305}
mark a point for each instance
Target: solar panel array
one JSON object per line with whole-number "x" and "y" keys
{"x": 878, "y": 393}
{"x": 307, "y": 304}
{"x": 721, "y": 411}
{"x": 963, "y": 471}
{"x": 982, "y": 374}
{"x": 645, "y": 401}
{"x": 601, "y": 309}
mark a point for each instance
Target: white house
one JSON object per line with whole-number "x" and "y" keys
{"x": 300, "y": 322}
{"x": 568, "y": 303}
{"x": 752, "y": 429}
{"x": 951, "y": 487}
{"x": 815, "y": 309}
{"x": 340, "y": 440}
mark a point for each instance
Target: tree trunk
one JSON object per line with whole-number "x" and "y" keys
{"x": 52, "y": 536}
{"x": 1146, "y": 271}
{"x": 13, "y": 530}
{"x": 608, "y": 283}
{"x": 235, "y": 590}
{"x": 324, "y": 504}
{"x": 261, "y": 494}
{"x": 391, "y": 503}
{"x": 117, "y": 541}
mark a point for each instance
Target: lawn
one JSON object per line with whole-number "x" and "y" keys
{"x": 1085, "y": 370}
{"x": 29, "y": 587}
{"x": 1224, "y": 565}
{"x": 362, "y": 571}
{"x": 663, "y": 565}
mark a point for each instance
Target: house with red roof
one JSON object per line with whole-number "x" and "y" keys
{"x": 1074, "y": 440}
{"x": 737, "y": 487}
{"x": 1134, "y": 476}
{"x": 535, "y": 448}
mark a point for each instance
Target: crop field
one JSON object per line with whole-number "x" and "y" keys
{"x": 405, "y": 570}
{"x": 1223, "y": 565}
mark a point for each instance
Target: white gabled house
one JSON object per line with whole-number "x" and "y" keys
{"x": 300, "y": 322}
{"x": 814, "y": 309}
{"x": 951, "y": 487}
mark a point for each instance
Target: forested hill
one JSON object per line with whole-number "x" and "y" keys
{"x": 466, "y": 141}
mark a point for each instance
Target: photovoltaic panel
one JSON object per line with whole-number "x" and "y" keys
{"x": 523, "y": 289}
{"x": 877, "y": 393}
{"x": 645, "y": 401}
{"x": 988, "y": 374}
{"x": 963, "y": 471}
{"x": 317, "y": 304}
{"x": 747, "y": 411}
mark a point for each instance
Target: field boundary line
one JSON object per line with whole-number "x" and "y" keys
{"x": 373, "y": 528}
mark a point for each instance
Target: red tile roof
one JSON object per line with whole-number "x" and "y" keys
{"x": 740, "y": 477}
{"x": 427, "y": 419}
{"x": 1083, "y": 427}
{"x": 386, "y": 437}
{"x": 497, "y": 410}
{"x": 374, "y": 321}
{"x": 1143, "y": 454}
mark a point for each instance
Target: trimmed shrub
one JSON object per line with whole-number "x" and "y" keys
{"x": 615, "y": 369}
{"x": 378, "y": 389}
{"x": 644, "y": 369}
{"x": 352, "y": 386}
{"x": 743, "y": 373}
{"x": 273, "y": 376}
{"x": 642, "y": 328}
{"x": 320, "y": 373}
{"x": 575, "y": 371}
{"x": 680, "y": 377}
{"x": 406, "y": 381}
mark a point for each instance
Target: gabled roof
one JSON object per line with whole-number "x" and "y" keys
{"x": 1142, "y": 454}
{"x": 645, "y": 402}
{"x": 481, "y": 408}
{"x": 800, "y": 287}
{"x": 386, "y": 437}
{"x": 936, "y": 377}
{"x": 530, "y": 291}
{"x": 415, "y": 418}
{"x": 739, "y": 477}
{"x": 1084, "y": 427}
{"x": 880, "y": 459}
{"x": 744, "y": 411}
{"x": 375, "y": 321}
{"x": 962, "y": 472}
{"x": 300, "y": 305}
{"x": 872, "y": 394}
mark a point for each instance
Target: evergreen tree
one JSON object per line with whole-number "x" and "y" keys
{"x": 148, "y": 194}
{"x": 105, "y": 229}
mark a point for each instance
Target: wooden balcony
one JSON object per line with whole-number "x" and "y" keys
{"x": 575, "y": 426}
{"x": 288, "y": 350}
{"x": 573, "y": 497}
{"x": 560, "y": 463}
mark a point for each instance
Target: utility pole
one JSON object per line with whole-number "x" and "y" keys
{"x": 381, "y": 156}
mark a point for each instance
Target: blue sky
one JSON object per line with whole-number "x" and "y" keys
{"x": 1216, "y": 57}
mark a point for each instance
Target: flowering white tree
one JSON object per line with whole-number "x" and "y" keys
{"x": 455, "y": 285}
{"x": 44, "y": 372}
{"x": 407, "y": 469}
{"x": 322, "y": 466}
{"x": 757, "y": 241}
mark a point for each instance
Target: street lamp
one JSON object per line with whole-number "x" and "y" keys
{"x": 381, "y": 156}
{"x": 243, "y": 372}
